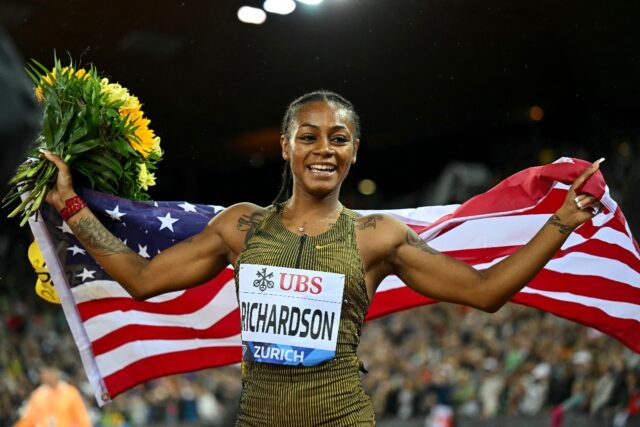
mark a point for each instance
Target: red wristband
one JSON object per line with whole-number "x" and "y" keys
{"x": 72, "y": 206}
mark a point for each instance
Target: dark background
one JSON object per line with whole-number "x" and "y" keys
{"x": 434, "y": 81}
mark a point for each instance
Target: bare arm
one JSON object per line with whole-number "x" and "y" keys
{"x": 187, "y": 264}
{"x": 444, "y": 278}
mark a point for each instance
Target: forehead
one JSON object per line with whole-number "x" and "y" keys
{"x": 321, "y": 113}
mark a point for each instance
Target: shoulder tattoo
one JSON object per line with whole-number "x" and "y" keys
{"x": 95, "y": 235}
{"x": 369, "y": 222}
{"x": 563, "y": 228}
{"x": 248, "y": 223}
{"x": 414, "y": 240}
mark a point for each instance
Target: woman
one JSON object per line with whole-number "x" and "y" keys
{"x": 304, "y": 246}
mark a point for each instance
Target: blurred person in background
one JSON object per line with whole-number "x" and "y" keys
{"x": 54, "y": 403}
{"x": 19, "y": 113}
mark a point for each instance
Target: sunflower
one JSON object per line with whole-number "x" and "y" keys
{"x": 143, "y": 138}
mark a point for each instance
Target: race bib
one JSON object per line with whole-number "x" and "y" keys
{"x": 289, "y": 316}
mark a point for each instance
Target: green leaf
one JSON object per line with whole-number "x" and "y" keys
{"x": 77, "y": 133}
{"x": 103, "y": 185}
{"x": 84, "y": 146}
{"x": 108, "y": 161}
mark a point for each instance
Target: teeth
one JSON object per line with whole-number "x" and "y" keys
{"x": 322, "y": 167}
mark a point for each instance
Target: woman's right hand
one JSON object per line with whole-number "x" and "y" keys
{"x": 63, "y": 188}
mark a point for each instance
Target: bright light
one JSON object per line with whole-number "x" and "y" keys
{"x": 251, "y": 15}
{"x": 536, "y": 113}
{"x": 367, "y": 187}
{"x": 310, "y": 1}
{"x": 281, "y": 7}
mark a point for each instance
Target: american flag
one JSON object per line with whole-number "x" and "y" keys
{"x": 594, "y": 279}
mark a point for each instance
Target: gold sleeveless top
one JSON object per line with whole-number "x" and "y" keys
{"x": 330, "y": 393}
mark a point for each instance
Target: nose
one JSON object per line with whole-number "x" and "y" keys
{"x": 324, "y": 147}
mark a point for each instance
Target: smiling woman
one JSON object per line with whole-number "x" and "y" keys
{"x": 306, "y": 267}
{"x": 318, "y": 108}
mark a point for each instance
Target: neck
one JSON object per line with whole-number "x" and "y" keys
{"x": 308, "y": 215}
{"x": 305, "y": 203}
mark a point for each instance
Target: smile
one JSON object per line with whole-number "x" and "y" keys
{"x": 322, "y": 169}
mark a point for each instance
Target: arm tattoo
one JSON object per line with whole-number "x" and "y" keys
{"x": 563, "y": 228}
{"x": 414, "y": 240}
{"x": 370, "y": 222}
{"x": 93, "y": 234}
{"x": 248, "y": 223}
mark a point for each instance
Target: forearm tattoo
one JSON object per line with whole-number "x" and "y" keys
{"x": 414, "y": 240}
{"x": 370, "y": 222}
{"x": 94, "y": 235}
{"x": 563, "y": 228}
{"x": 248, "y": 223}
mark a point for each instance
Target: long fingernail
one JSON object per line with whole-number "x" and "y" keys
{"x": 600, "y": 160}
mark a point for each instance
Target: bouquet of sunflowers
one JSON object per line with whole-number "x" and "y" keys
{"x": 97, "y": 127}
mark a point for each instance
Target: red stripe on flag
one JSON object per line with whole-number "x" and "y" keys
{"x": 625, "y": 330}
{"x": 391, "y": 300}
{"x": 588, "y": 286}
{"x": 168, "y": 364}
{"x": 606, "y": 250}
{"x": 225, "y": 327}
{"x": 191, "y": 300}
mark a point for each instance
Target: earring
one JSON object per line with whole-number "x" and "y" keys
{"x": 353, "y": 161}
{"x": 284, "y": 156}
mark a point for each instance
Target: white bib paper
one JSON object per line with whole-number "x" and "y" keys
{"x": 289, "y": 316}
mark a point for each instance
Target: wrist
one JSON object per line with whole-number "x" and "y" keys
{"x": 72, "y": 205}
{"x": 563, "y": 221}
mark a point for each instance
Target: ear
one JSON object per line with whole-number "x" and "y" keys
{"x": 284, "y": 144}
{"x": 356, "y": 145}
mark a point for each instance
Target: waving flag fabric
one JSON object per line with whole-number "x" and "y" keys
{"x": 594, "y": 279}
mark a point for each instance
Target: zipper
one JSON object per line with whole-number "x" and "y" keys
{"x": 303, "y": 238}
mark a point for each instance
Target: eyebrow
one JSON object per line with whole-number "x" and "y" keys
{"x": 336, "y": 127}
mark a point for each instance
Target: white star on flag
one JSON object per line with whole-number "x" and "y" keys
{"x": 188, "y": 207}
{"x": 167, "y": 221}
{"x": 76, "y": 250}
{"x": 115, "y": 214}
{"x": 142, "y": 251}
{"x": 65, "y": 228}
{"x": 86, "y": 274}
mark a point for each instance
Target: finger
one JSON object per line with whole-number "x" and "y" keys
{"x": 56, "y": 160}
{"x": 579, "y": 199}
{"x": 587, "y": 173}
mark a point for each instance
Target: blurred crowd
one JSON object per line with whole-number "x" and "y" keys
{"x": 440, "y": 359}
{"x": 518, "y": 361}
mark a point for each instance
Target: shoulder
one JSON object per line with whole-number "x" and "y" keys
{"x": 379, "y": 233}
{"x": 236, "y": 224}
{"x": 68, "y": 388}
{"x": 241, "y": 215}
{"x": 379, "y": 223}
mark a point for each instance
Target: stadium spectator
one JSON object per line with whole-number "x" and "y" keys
{"x": 54, "y": 403}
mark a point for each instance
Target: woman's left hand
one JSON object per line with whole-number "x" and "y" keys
{"x": 578, "y": 209}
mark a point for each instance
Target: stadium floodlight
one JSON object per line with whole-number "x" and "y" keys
{"x": 281, "y": 7}
{"x": 310, "y": 1}
{"x": 251, "y": 15}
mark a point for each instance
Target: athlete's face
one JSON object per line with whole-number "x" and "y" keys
{"x": 322, "y": 147}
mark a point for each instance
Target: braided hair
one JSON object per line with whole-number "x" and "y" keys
{"x": 286, "y": 186}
